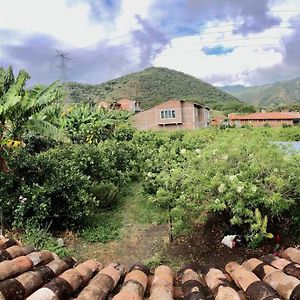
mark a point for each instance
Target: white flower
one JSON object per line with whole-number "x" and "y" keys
{"x": 22, "y": 199}
{"x": 232, "y": 177}
{"x": 198, "y": 151}
{"x": 225, "y": 157}
{"x": 182, "y": 151}
{"x": 214, "y": 152}
{"x": 222, "y": 188}
{"x": 149, "y": 174}
{"x": 239, "y": 189}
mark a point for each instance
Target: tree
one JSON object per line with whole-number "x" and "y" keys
{"x": 22, "y": 111}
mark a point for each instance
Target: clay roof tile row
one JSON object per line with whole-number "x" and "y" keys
{"x": 267, "y": 116}
{"x": 26, "y": 273}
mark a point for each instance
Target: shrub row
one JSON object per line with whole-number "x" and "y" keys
{"x": 64, "y": 185}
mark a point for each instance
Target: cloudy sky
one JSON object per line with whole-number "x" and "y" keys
{"x": 224, "y": 42}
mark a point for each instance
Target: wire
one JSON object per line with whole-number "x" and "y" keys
{"x": 116, "y": 49}
{"x": 177, "y": 22}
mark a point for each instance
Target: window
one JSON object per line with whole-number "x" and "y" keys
{"x": 168, "y": 114}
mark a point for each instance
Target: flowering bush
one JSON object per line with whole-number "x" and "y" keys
{"x": 233, "y": 172}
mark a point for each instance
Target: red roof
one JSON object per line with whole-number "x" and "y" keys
{"x": 267, "y": 116}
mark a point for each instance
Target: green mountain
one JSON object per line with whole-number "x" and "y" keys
{"x": 156, "y": 85}
{"x": 283, "y": 94}
{"x": 231, "y": 89}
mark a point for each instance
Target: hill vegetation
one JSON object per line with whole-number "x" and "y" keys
{"x": 156, "y": 85}
{"x": 279, "y": 95}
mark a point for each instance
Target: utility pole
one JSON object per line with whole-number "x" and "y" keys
{"x": 63, "y": 59}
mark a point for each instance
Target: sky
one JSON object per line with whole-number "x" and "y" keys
{"x": 223, "y": 42}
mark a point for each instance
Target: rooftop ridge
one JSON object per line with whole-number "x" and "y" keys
{"x": 33, "y": 274}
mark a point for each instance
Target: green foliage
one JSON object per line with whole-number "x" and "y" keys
{"x": 85, "y": 123}
{"x": 56, "y": 186}
{"x": 22, "y": 110}
{"x": 279, "y": 96}
{"x": 258, "y": 229}
{"x": 156, "y": 85}
{"x": 103, "y": 227}
{"x": 42, "y": 239}
{"x": 231, "y": 172}
{"x": 106, "y": 194}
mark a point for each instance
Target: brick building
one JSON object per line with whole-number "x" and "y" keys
{"x": 273, "y": 119}
{"x": 123, "y": 104}
{"x": 173, "y": 114}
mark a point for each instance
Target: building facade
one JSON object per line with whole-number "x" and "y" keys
{"x": 123, "y": 104}
{"x": 173, "y": 114}
{"x": 273, "y": 119}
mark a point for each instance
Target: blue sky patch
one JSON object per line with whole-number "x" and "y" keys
{"x": 217, "y": 50}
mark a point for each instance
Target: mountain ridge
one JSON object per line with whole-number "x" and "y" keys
{"x": 156, "y": 85}
{"x": 279, "y": 94}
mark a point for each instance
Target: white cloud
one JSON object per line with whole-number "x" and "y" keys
{"x": 25, "y": 23}
{"x": 70, "y": 25}
{"x": 256, "y": 51}
{"x": 126, "y": 21}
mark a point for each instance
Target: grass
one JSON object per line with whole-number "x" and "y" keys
{"x": 42, "y": 239}
{"x": 103, "y": 227}
{"x": 134, "y": 207}
{"x": 144, "y": 211}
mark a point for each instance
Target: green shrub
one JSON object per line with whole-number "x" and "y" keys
{"x": 106, "y": 195}
{"x": 56, "y": 186}
{"x": 233, "y": 173}
{"x": 103, "y": 227}
{"x": 41, "y": 239}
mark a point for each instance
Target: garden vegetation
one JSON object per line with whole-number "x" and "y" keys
{"x": 64, "y": 164}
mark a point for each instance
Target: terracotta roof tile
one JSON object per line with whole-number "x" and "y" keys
{"x": 266, "y": 116}
{"x": 40, "y": 275}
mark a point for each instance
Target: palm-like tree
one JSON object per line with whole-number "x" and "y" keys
{"x": 22, "y": 110}
{"x": 85, "y": 123}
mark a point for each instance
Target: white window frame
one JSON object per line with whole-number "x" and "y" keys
{"x": 167, "y": 114}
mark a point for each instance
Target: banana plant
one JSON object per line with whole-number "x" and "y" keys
{"x": 22, "y": 111}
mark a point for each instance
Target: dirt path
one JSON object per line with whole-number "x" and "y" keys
{"x": 139, "y": 242}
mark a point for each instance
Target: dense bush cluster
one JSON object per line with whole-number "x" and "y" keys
{"x": 231, "y": 172}
{"x": 64, "y": 185}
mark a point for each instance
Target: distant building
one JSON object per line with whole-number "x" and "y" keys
{"x": 172, "y": 115}
{"x": 273, "y": 119}
{"x": 123, "y": 104}
{"x": 217, "y": 121}
{"x": 130, "y": 105}
{"x": 104, "y": 104}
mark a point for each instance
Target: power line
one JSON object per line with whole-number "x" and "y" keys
{"x": 63, "y": 57}
{"x": 177, "y": 22}
{"x": 130, "y": 44}
{"x": 122, "y": 47}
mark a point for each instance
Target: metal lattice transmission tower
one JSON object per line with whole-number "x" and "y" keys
{"x": 63, "y": 59}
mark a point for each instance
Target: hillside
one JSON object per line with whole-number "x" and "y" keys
{"x": 156, "y": 85}
{"x": 279, "y": 94}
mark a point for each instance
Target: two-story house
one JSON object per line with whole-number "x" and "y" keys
{"x": 173, "y": 114}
